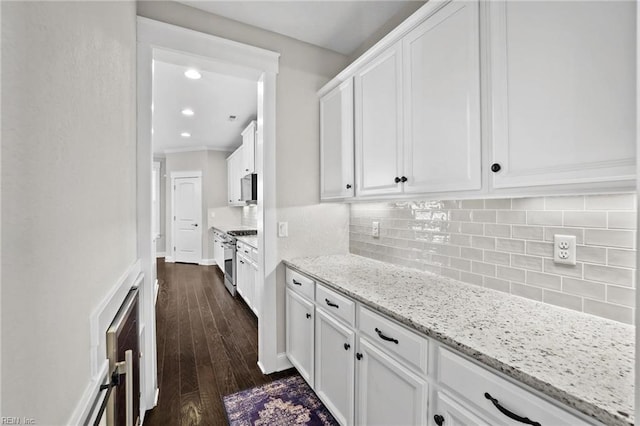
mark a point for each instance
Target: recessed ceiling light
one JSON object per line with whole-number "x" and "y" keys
{"x": 192, "y": 74}
{"x": 185, "y": 134}
{"x": 188, "y": 112}
{"x": 232, "y": 118}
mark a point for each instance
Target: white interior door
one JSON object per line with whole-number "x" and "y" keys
{"x": 187, "y": 219}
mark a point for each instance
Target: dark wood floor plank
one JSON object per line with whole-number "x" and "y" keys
{"x": 207, "y": 346}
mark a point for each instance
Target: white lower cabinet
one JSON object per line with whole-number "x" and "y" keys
{"x": 299, "y": 334}
{"x": 388, "y": 392}
{"x": 335, "y": 366}
{"x": 371, "y": 370}
{"x": 451, "y": 413}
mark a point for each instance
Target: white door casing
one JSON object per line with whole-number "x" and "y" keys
{"x": 186, "y": 212}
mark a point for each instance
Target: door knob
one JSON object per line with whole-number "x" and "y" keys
{"x": 348, "y": 186}
{"x": 195, "y": 224}
{"x": 495, "y": 167}
{"x": 397, "y": 179}
{"x": 403, "y": 179}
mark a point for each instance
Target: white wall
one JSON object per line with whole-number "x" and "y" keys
{"x": 161, "y": 242}
{"x": 213, "y": 165}
{"x": 304, "y": 69}
{"x": 69, "y": 194}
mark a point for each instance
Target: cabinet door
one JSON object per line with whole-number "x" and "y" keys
{"x": 299, "y": 334}
{"x": 336, "y": 143}
{"x": 241, "y": 281}
{"x": 442, "y": 150}
{"x": 249, "y": 280}
{"x": 562, "y": 108}
{"x": 388, "y": 393}
{"x": 448, "y": 412}
{"x": 248, "y": 149}
{"x": 234, "y": 174}
{"x": 257, "y": 294}
{"x": 378, "y": 124}
{"x": 335, "y": 375}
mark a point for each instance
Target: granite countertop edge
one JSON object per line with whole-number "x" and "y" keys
{"x": 585, "y": 407}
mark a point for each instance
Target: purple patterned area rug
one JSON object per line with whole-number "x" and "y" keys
{"x": 288, "y": 401}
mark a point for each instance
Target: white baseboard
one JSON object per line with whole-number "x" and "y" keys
{"x": 169, "y": 259}
{"x": 207, "y": 262}
{"x": 282, "y": 362}
{"x": 161, "y": 254}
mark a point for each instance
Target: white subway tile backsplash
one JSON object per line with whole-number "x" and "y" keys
{"x": 494, "y": 230}
{"x": 622, "y": 220}
{"x": 591, "y": 254}
{"x": 544, "y": 218}
{"x": 536, "y": 203}
{"x": 617, "y": 257}
{"x": 550, "y": 267}
{"x": 610, "y": 238}
{"x": 564, "y": 203}
{"x": 497, "y": 284}
{"x": 526, "y": 262}
{"x": 527, "y": 232}
{"x": 584, "y": 288}
{"x": 513, "y": 246}
{"x": 511, "y": 274}
{"x": 611, "y": 202}
{"x": 609, "y": 274}
{"x": 538, "y": 248}
{"x": 498, "y": 204}
{"x": 484, "y": 216}
{"x": 506, "y": 244}
{"x": 529, "y": 292}
{"x": 608, "y": 310}
{"x": 540, "y": 279}
{"x": 621, "y": 295}
{"x": 585, "y": 219}
{"x": 562, "y": 299}
{"x": 496, "y": 257}
{"x": 511, "y": 217}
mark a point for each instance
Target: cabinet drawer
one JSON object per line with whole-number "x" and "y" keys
{"x": 300, "y": 284}
{"x": 394, "y": 338}
{"x": 475, "y": 383}
{"x": 336, "y": 304}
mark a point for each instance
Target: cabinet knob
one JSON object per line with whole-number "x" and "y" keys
{"x": 403, "y": 179}
{"x": 359, "y": 356}
{"x": 495, "y": 167}
{"x": 348, "y": 186}
{"x": 438, "y": 419}
{"x": 397, "y": 179}
{"x": 346, "y": 346}
{"x": 308, "y": 316}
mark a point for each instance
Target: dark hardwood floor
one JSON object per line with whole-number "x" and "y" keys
{"x": 207, "y": 346}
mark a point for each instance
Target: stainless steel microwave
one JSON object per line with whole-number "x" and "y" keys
{"x": 249, "y": 188}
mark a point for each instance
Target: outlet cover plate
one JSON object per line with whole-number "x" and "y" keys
{"x": 564, "y": 249}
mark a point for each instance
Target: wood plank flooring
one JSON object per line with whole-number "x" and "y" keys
{"x": 207, "y": 346}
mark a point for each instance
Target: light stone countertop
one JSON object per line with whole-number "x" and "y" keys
{"x": 251, "y": 240}
{"x": 227, "y": 227}
{"x": 583, "y": 361}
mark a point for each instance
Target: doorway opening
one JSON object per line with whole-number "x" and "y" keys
{"x": 159, "y": 42}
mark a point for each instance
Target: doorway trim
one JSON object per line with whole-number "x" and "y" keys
{"x": 155, "y": 37}
{"x": 171, "y": 218}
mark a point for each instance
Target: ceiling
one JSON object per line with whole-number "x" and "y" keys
{"x": 341, "y": 26}
{"x": 213, "y": 98}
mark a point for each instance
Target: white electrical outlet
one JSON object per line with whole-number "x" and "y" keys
{"x": 283, "y": 229}
{"x": 375, "y": 229}
{"x": 564, "y": 249}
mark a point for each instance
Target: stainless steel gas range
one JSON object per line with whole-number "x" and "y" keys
{"x": 230, "y": 266}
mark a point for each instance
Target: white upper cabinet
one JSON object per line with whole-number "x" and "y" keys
{"x": 563, "y": 81}
{"x": 336, "y": 143}
{"x": 378, "y": 124}
{"x": 248, "y": 150}
{"x": 234, "y": 164}
{"x": 442, "y": 150}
